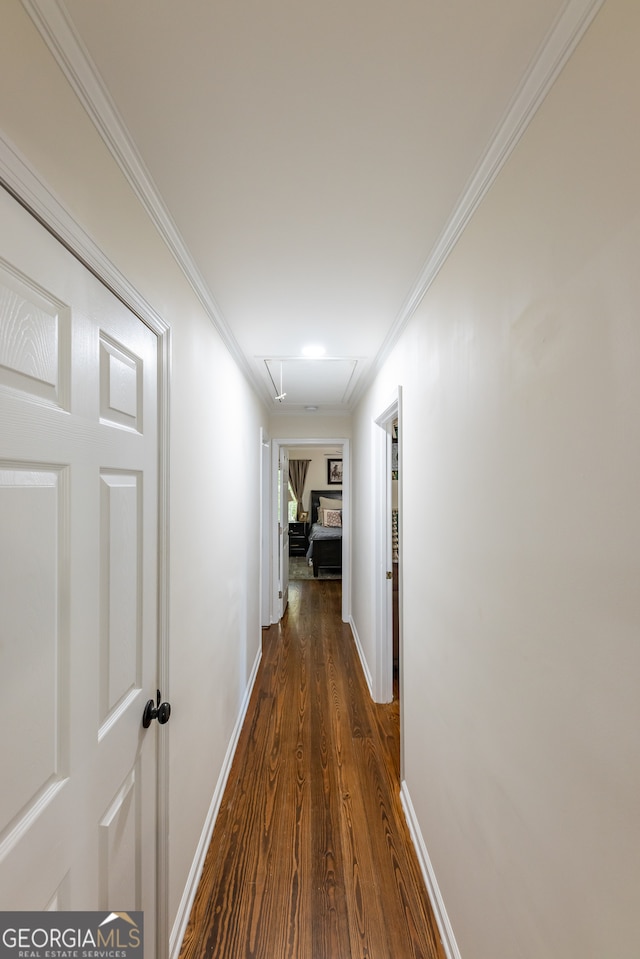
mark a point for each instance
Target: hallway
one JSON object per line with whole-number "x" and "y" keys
{"x": 310, "y": 857}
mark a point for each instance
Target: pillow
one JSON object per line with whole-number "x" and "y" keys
{"x": 327, "y": 502}
{"x": 332, "y": 517}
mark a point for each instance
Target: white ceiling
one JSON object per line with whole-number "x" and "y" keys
{"x": 311, "y": 163}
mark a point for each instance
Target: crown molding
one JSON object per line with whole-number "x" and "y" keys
{"x": 53, "y": 23}
{"x": 563, "y": 37}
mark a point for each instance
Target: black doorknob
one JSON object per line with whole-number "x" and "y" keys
{"x": 159, "y": 711}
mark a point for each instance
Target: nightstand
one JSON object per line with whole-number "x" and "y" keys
{"x": 298, "y": 542}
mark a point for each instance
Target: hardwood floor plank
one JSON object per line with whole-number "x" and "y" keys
{"x": 311, "y": 857}
{"x": 329, "y": 911}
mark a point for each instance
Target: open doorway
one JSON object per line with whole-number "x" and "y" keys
{"x": 327, "y": 477}
{"x": 387, "y": 684}
{"x": 315, "y": 535}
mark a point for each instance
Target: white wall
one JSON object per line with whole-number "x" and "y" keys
{"x": 520, "y": 532}
{"x": 310, "y": 426}
{"x": 214, "y": 534}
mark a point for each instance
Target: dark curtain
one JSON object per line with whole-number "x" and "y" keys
{"x": 297, "y": 475}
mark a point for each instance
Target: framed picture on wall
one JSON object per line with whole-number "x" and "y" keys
{"x": 334, "y": 472}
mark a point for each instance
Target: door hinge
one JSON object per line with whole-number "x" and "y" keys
{"x": 280, "y": 594}
{"x": 389, "y": 574}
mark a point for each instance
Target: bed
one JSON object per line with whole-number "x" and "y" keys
{"x": 325, "y": 541}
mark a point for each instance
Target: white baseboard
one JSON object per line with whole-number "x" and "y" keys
{"x": 191, "y": 887}
{"x": 437, "y": 902}
{"x": 361, "y": 656}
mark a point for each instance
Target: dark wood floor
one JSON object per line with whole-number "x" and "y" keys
{"x": 311, "y": 857}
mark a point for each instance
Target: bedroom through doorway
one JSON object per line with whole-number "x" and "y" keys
{"x": 317, "y": 512}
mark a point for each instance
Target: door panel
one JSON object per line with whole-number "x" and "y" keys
{"x": 31, "y": 586}
{"x": 78, "y": 584}
{"x": 120, "y": 385}
{"x": 34, "y": 339}
{"x": 121, "y": 566}
{"x": 119, "y": 829}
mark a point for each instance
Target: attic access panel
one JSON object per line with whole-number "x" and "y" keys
{"x": 318, "y": 382}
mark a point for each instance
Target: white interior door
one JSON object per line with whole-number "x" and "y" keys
{"x": 78, "y": 584}
{"x": 283, "y": 528}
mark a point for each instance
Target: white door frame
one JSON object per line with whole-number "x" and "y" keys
{"x": 265, "y": 529}
{"x": 383, "y": 587}
{"x": 26, "y": 187}
{"x": 344, "y": 444}
{"x": 280, "y": 563}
